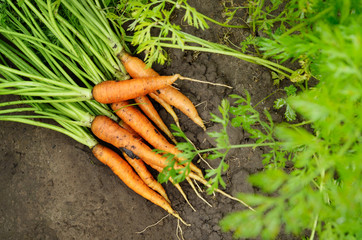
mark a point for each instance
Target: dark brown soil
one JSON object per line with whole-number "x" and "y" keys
{"x": 53, "y": 188}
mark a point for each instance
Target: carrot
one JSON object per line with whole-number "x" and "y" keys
{"x": 109, "y": 131}
{"x": 175, "y": 98}
{"x": 116, "y": 91}
{"x": 137, "y": 121}
{"x": 142, "y": 171}
{"x": 146, "y": 106}
{"x": 137, "y": 68}
{"x": 130, "y": 178}
{"x": 146, "y": 176}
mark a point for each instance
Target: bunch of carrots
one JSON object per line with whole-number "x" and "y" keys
{"x": 59, "y": 56}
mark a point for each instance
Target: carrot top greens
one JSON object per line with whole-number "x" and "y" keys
{"x": 53, "y": 65}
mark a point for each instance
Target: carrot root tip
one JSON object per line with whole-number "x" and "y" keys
{"x": 176, "y": 215}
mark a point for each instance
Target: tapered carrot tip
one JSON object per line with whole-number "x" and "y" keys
{"x": 182, "y": 193}
{"x": 176, "y": 215}
{"x": 203, "y": 181}
{"x": 197, "y": 170}
{"x": 199, "y": 122}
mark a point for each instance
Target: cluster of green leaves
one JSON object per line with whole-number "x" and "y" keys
{"x": 223, "y": 143}
{"x": 280, "y": 20}
{"x": 289, "y": 113}
{"x": 152, "y": 29}
{"x": 240, "y": 114}
{"x": 151, "y": 21}
{"x": 248, "y": 118}
{"x": 265, "y": 16}
{"x": 322, "y": 192}
{"x": 189, "y": 152}
{"x": 170, "y": 172}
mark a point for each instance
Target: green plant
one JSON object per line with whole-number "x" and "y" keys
{"x": 289, "y": 114}
{"x": 153, "y": 31}
{"x": 321, "y": 193}
{"x": 240, "y": 114}
{"x": 151, "y": 23}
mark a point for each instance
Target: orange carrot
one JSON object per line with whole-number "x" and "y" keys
{"x": 109, "y": 131}
{"x": 142, "y": 171}
{"x": 137, "y": 68}
{"x": 137, "y": 121}
{"x": 146, "y": 106}
{"x": 116, "y": 91}
{"x": 175, "y": 98}
{"x": 130, "y": 178}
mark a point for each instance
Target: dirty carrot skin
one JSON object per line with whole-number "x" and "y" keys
{"x": 137, "y": 121}
{"x": 109, "y": 131}
{"x": 124, "y": 171}
{"x": 129, "y": 129}
{"x": 146, "y": 106}
{"x": 116, "y": 91}
{"x": 142, "y": 171}
{"x": 137, "y": 68}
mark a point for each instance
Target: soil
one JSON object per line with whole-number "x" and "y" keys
{"x": 53, "y": 188}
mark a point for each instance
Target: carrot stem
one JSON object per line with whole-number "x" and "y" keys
{"x": 84, "y": 92}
